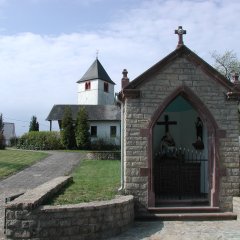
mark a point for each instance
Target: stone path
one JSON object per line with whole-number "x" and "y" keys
{"x": 57, "y": 164}
{"x": 180, "y": 230}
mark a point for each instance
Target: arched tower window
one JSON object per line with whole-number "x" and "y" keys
{"x": 106, "y": 87}
{"x": 87, "y": 85}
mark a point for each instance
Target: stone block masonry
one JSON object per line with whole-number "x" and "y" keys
{"x": 104, "y": 155}
{"x": 27, "y": 218}
{"x": 156, "y": 89}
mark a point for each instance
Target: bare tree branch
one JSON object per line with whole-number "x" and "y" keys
{"x": 226, "y": 64}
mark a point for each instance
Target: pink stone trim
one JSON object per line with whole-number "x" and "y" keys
{"x": 213, "y": 133}
{"x": 144, "y": 172}
{"x": 144, "y": 132}
{"x": 131, "y": 93}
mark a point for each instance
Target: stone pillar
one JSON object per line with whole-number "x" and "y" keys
{"x": 125, "y": 79}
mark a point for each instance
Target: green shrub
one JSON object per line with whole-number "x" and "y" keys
{"x": 40, "y": 141}
{"x": 14, "y": 141}
{"x": 34, "y": 125}
{"x": 82, "y": 130}
{"x": 2, "y": 138}
{"x": 101, "y": 144}
{"x": 67, "y": 130}
{"x": 2, "y": 141}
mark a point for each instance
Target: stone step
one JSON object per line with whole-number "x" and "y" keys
{"x": 198, "y": 209}
{"x": 183, "y": 203}
{"x": 213, "y": 216}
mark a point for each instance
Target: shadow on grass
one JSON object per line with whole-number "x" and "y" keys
{"x": 51, "y": 200}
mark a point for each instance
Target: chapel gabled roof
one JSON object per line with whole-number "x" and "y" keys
{"x": 96, "y": 71}
{"x": 95, "y": 112}
{"x": 192, "y": 57}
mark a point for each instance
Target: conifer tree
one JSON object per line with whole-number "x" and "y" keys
{"x": 82, "y": 129}
{"x": 67, "y": 130}
{"x": 2, "y": 138}
{"x": 34, "y": 125}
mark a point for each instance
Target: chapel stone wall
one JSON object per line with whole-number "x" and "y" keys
{"x": 138, "y": 113}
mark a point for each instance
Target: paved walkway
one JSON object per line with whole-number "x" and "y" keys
{"x": 57, "y": 164}
{"x": 180, "y": 230}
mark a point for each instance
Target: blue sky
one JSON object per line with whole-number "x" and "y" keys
{"x": 55, "y": 17}
{"x": 47, "y": 45}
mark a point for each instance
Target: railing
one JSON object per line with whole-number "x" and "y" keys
{"x": 185, "y": 153}
{"x": 181, "y": 173}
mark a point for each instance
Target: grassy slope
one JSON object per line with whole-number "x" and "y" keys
{"x": 12, "y": 161}
{"x": 93, "y": 180}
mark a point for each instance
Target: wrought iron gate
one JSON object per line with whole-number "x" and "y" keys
{"x": 180, "y": 174}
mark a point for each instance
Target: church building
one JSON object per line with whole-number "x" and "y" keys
{"x": 180, "y": 134}
{"x": 96, "y": 94}
{"x": 8, "y": 132}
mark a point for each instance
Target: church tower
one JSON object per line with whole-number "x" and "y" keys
{"x": 96, "y": 87}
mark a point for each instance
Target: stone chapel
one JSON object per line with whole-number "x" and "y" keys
{"x": 180, "y": 134}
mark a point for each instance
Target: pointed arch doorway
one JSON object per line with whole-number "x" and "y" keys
{"x": 183, "y": 157}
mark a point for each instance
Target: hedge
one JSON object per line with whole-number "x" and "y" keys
{"x": 40, "y": 141}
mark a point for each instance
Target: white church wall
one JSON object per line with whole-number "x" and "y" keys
{"x": 8, "y": 132}
{"x": 103, "y": 131}
{"x": 105, "y": 98}
{"x": 96, "y": 95}
{"x": 88, "y": 97}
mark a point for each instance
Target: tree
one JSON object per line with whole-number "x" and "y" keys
{"x": 67, "y": 130}
{"x": 82, "y": 130}
{"x": 2, "y": 138}
{"x": 227, "y": 64}
{"x": 34, "y": 125}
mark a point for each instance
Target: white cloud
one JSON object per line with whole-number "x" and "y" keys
{"x": 39, "y": 71}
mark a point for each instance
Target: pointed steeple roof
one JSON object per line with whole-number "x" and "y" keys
{"x": 96, "y": 71}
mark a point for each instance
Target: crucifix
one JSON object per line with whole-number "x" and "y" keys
{"x": 180, "y": 33}
{"x": 167, "y": 123}
{"x": 97, "y": 53}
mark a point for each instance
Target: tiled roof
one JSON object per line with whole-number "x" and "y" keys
{"x": 95, "y": 112}
{"x": 96, "y": 71}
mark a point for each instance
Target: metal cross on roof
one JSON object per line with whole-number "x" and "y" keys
{"x": 97, "y": 53}
{"x": 180, "y": 33}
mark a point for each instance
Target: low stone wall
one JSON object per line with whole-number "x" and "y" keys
{"x": 26, "y": 218}
{"x": 236, "y": 207}
{"x": 104, "y": 155}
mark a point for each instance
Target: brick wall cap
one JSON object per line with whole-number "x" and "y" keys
{"x": 35, "y": 197}
{"x": 90, "y": 205}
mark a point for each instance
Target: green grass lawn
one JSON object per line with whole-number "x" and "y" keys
{"x": 12, "y": 161}
{"x": 93, "y": 180}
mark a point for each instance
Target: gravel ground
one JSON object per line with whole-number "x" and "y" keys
{"x": 182, "y": 230}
